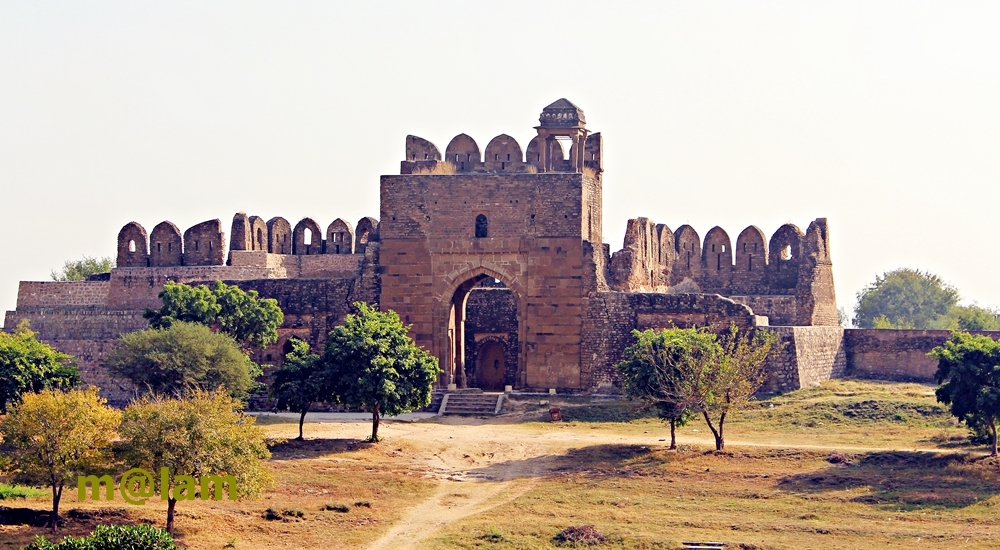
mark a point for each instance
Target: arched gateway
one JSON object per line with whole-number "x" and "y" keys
{"x": 443, "y": 234}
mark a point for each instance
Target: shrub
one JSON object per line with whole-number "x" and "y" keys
{"x": 112, "y": 537}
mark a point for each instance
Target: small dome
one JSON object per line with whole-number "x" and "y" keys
{"x": 562, "y": 114}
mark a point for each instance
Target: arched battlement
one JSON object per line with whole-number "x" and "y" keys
{"x": 751, "y": 251}
{"x": 463, "y": 152}
{"x": 258, "y": 233}
{"x": 419, "y": 149}
{"x": 239, "y": 236}
{"x": 784, "y": 255}
{"x": 279, "y": 236}
{"x": 687, "y": 243}
{"x": 166, "y": 246}
{"x": 133, "y": 246}
{"x": 816, "y": 244}
{"x": 533, "y": 154}
{"x": 340, "y": 238}
{"x": 717, "y": 253}
{"x": 205, "y": 244}
{"x": 307, "y": 238}
{"x": 366, "y": 231}
{"x": 667, "y": 252}
{"x": 503, "y": 153}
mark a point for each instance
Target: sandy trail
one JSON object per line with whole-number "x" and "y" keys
{"x": 480, "y": 466}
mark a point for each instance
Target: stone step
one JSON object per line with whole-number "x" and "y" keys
{"x": 471, "y": 403}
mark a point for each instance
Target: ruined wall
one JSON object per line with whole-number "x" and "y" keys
{"x": 796, "y": 266}
{"x": 811, "y": 355}
{"x": 901, "y": 355}
{"x": 610, "y": 318}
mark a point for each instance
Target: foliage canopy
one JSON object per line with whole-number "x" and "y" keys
{"x": 299, "y": 382}
{"x": 78, "y": 270}
{"x": 28, "y": 365}
{"x": 56, "y": 436}
{"x": 969, "y": 374}
{"x": 185, "y": 356}
{"x": 205, "y": 434}
{"x": 245, "y": 316}
{"x": 905, "y": 298}
{"x": 370, "y": 362}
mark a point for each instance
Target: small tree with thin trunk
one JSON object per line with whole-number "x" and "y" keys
{"x": 663, "y": 370}
{"x": 203, "y": 435}
{"x": 57, "y": 436}
{"x": 299, "y": 382}
{"x": 969, "y": 374}
{"x": 734, "y": 376}
{"x": 369, "y": 362}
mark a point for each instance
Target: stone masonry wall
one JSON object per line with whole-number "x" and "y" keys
{"x": 58, "y": 293}
{"x": 811, "y": 355}
{"x": 901, "y": 355}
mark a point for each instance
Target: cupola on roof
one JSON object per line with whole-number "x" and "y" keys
{"x": 562, "y": 114}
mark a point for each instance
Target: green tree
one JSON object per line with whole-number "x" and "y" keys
{"x": 969, "y": 374}
{"x": 249, "y": 319}
{"x": 117, "y": 537}
{"x": 370, "y": 362}
{"x": 973, "y": 317}
{"x": 663, "y": 369}
{"x": 299, "y": 382}
{"x": 905, "y": 298}
{"x": 56, "y": 436}
{"x": 28, "y": 365}
{"x": 78, "y": 270}
{"x": 735, "y": 375}
{"x": 203, "y": 435}
{"x": 185, "y": 356}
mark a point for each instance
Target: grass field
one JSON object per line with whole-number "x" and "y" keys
{"x": 850, "y": 464}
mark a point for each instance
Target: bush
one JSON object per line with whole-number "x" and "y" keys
{"x": 19, "y": 491}
{"x": 112, "y": 537}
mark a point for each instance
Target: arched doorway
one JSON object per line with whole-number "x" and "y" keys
{"x": 483, "y": 309}
{"x": 491, "y": 366}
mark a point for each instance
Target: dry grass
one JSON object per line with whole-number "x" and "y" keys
{"x": 827, "y": 467}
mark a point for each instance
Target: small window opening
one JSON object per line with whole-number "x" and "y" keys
{"x": 307, "y": 237}
{"x": 131, "y": 246}
{"x": 508, "y": 157}
{"x": 718, "y": 262}
{"x": 723, "y": 248}
{"x": 157, "y": 247}
{"x": 468, "y": 157}
{"x": 170, "y": 247}
{"x": 750, "y": 262}
{"x": 496, "y": 157}
{"x": 503, "y": 165}
{"x": 786, "y": 253}
{"x": 481, "y": 226}
{"x": 425, "y": 156}
{"x": 196, "y": 245}
{"x": 713, "y": 248}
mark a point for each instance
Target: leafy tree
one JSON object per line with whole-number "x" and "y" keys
{"x": 249, "y": 319}
{"x": 204, "y": 435}
{"x": 370, "y": 362}
{"x": 78, "y": 270}
{"x": 56, "y": 436}
{"x": 182, "y": 357}
{"x": 973, "y": 317}
{"x": 299, "y": 382}
{"x": 28, "y": 365}
{"x": 663, "y": 369}
{"x": 905, "y": 298}
{"x": 969, "y": 374}
{"x": 735, "y": 375}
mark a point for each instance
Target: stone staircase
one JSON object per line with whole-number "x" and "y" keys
{"x": 470, "y": 401}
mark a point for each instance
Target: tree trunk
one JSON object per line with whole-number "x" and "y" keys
{"x": 993, "y": 434}
{"x": 56, "y": 496}
{"x": 720, "y": 443}
{"x": 171, "y": 502}
{"x": 673, "y": 434}
{"x": 375, "y": 423}
{"x": 302, "y": 418}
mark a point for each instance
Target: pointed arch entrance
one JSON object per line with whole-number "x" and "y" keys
{"x": 463, "y": 357}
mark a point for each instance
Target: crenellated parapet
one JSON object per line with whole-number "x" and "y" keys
{"x": 204, "y": 244}
{"x": 792, "y": 263}
{"x": 562, "y": 144}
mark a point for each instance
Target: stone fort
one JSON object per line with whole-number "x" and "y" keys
{"x": 496, "y": 259}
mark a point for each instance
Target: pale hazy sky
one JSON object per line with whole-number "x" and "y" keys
{"x": 882, "y": 116}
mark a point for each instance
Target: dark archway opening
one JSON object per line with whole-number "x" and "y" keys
{"x": 483, "y": 335}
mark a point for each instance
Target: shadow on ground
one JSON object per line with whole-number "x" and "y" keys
{"x": 905, "y": 479}
{"x": 316, "y": 447}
